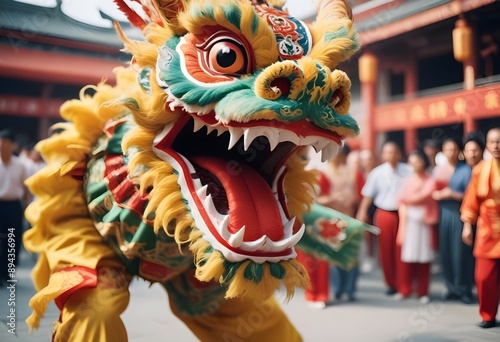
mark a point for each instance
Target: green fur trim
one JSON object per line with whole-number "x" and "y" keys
{"x": 277, "y": 270}
{"x": 246, "y": 104}
{"x": 344, "y": 33}
{"x": 233, "y": 15}
{"x": 131, "y": 103}
{"x": 255, "y": 24}
{"x": 253, "y": 272}
{"x": 207, "y": 12}
{"x": 231, "y": 269}
{"x": 143, "y": 79}
{"x": 173, "y": 42}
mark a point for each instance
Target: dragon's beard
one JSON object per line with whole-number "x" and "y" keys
{"x": 246, "y": 278}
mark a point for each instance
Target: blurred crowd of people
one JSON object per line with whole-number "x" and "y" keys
{"x": 440, "y": 206}
{"x": 17, "y": 163}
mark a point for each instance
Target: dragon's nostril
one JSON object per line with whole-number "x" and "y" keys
{"x": 283, "y": 84}
{"x": 337, "y": 97}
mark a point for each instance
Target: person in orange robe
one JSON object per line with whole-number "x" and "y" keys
{"x": 481, "y": 204}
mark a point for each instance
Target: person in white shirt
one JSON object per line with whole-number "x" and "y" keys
{"x": 382, "y": 188}
{"x": 13, "y": 193}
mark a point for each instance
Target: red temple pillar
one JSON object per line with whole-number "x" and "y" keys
{"x": 411, "y": 77}
{"x": 410, "y": 139}
{"x": 368, "y": 75}
{"x": 411, "y": 87}
{"x": 470, "y": 124}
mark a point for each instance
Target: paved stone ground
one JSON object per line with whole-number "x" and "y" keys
{"x": 373, "y": 317}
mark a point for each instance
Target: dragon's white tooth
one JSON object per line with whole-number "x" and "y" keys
{"x": 232, "y": 141}
{"x": 236, "y": 239}
{"x": 249, "y": 135}
{"x": 288, "y": 228}
{"x": 210, "y": 129}
{"x": 267, "y": 245}
{"x": 252, "y": 246}
{"x": 235, "y": 134}
{"x": 281, "y": 245}
{"x": 223, "y": 228}
{"x": 209, "y": 206}
{"x": 220, "y": 217}
{"x": 333, "y": 149}
{"x": 329, "y": 151}
{"x": 202, "y": 192}
{"x": 289, "y": 136}
{"x": 309, "y": 140}
{"x": 208, "y": 201}
{"x": 320, "y": 144}
{"x": 220, "y": 130}
{"x": 282, "y": 214}
{"x": 294, "y": 239}
{"x": 212, "y": 211}
{"x": 275, "y": 181}
{"x": 273, "y": 137}
{"x": 198, "y": 124}
{"x": 324, "y": 154}
{"x": 197, "y": 183}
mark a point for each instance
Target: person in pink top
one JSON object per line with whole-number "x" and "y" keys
{"x": 418, "y": 212}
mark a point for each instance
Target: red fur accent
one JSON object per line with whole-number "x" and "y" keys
{"x": 131, "y": 15}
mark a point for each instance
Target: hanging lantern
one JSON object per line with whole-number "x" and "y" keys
{"x": 368, "y": 68}
{"x": 462, "y": 41}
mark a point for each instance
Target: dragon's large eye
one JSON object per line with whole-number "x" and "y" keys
{"x": 216, "y": 55}
{"x": 228, "y": 57}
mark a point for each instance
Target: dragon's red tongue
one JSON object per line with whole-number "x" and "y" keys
{"x": 251, "y": 201}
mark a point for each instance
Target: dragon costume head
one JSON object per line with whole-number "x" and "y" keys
{"x": 230, "y": 89}
{"x": 223, "y": 95}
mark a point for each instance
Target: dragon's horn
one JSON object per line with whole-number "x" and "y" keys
{"x": 133, "y": 17}
{"x": 162, "y": 12}
{"x": 334, "y": 37}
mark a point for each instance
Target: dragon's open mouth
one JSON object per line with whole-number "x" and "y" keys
{"x": 233, "y": 179}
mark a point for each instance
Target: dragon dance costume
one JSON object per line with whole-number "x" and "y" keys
{"x": 186, "y": 173}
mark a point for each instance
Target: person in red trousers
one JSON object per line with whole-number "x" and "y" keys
{"x": 481, "y": 205}
{"x": 382, "y": 187}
